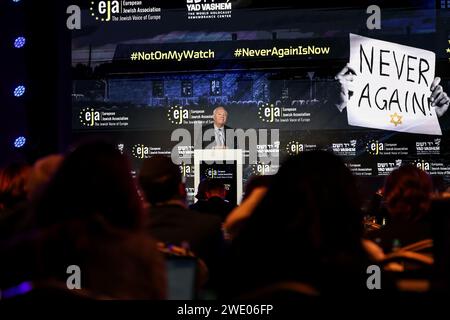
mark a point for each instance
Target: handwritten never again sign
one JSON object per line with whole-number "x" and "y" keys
{"x": 391, "y": 89}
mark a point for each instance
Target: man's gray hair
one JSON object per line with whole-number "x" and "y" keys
{"x": 220, "y": 107}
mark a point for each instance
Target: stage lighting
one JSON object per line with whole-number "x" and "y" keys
{"x": 19, "y": 42}
{"x": 16, "y": 1}
{"x": 19, "y": 91}
{"x": 19, "y": 142}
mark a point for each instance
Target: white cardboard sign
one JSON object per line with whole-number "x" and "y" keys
{"x": 391, "y": 88}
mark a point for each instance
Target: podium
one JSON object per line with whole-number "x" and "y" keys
{"x": 222, "y": 164}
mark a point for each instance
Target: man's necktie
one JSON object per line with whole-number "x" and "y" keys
{"x": 221, "y": 138}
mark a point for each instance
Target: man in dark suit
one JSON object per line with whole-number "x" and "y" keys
{"x": 169, "y": 219}
{"x": 216, "y": 130}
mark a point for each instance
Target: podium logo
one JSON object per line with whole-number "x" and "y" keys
{"x": 178, "y": 115}
{"x": 294, "y": 147}
{"x": 140, "y": 151}
{"x": 269, "y": 113}
{"x": 374, "y": 147}
{"x": 103, "y": 10}
{"x": 186, "y": 170}
{"x": 422, "y": 164}
{"x": 88, "y": 117}
{"x": 211, "y": 173}
{"x": 398, "y": 162}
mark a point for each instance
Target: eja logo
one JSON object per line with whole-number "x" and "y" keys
{"x": 140, "y": 151}
{"x": 104, "y": 9}
{"x": 186, "y": 169}
{"x": 268, "y": 113}
{"x": 262, "y": 169}
{"x": 294, "y": 147}
{"x": 422, "y": 164}
{"x": 88, "y": 117}
{"x": 374, "y": 147}
{"x": 211, "y": 173}
{"x": 178, "y": 115}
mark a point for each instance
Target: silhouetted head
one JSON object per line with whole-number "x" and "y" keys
{"x": 215, "y": 188}
{"x": 201, "y": 189}
{"x": 308, "y": 223}
{"x": 161, "y": 181}
{"x": 313, "y": 199}
{"x": 407, "y": 192}
{"x": 93, "y": 181}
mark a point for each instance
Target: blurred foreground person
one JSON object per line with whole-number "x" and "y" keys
{"x": 255, "y": 190}
{"x": 13, "y": 179}
{"x": 304, "y": 237}
{"x": 170, "y": 221}
{"x": 408, "y": 198}
{"x": 20, "y": 219}
{"x": 89, "y": 216}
